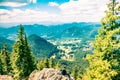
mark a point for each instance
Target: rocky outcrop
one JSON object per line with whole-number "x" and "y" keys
{"x": 49, "y": 74}
{"x": 5, "y": 77}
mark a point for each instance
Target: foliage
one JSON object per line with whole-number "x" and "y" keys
{"x": 1, "y": 66}
{"x": 58, "y": 65}
{"x": 79, "y": 74}
{"x": 51, "y": 63}
{"x": 46, "y": 63}
{"x": 80, "y": 65}
{"x": 22, "y": 60}
{"x": 105, "y": 61}
{"x": 74, "y": 72}
{"x": 5, "y": 58}
{"x": 40, "y": 65}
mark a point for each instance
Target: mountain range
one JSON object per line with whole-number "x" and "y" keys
{"x": 78, "y": 30}
{"x": 38, "y": 36}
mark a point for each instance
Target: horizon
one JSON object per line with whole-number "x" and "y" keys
{"x": 50, "y": 12}
{"x": 8, "y": 25}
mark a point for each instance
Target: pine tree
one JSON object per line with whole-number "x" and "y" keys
{"x": 105, "y": 61}
{"x": 46, "y": 63}
{"x": 31, "y": 65}
{"x": 40, "y": 65}
{"x": 22, "y": 60}
{"x": 1, "y": 66}
{"x": 5, "y": 58}
{"x": 58, "y": 65}
{"x": 51, "y": 63}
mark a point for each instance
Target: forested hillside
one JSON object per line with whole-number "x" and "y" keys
{"x": 40, "y": 47}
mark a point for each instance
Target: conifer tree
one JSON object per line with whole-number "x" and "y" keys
{"x": 40, "y": 65}
{"x": 5, "y": 58}
{"x": 22, "y": 60}
{"x": 105, "y": 61}
{"x": 46, "y": 63}
{"x": 1, "y": 66}
{"x": 57, "y": 65}
{"x": 51, "y": 63}
{"x": 31, "y": 65}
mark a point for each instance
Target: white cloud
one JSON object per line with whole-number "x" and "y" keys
{"x": 12, "y": 4}
{"x": 53, "y": 4}
{"x": 84, "y": 10}
{"x": 26, "y": 16}
{"x": 72, "y": 11}
{"x": 16, "y": 3}
{"x": 19, "y": 1}
{"x": 34, "y": 1}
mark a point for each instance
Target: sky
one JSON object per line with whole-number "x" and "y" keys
{"x": 51, "y": 11}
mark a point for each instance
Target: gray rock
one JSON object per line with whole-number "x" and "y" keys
{"x": 48, "y": 74}
{"x": 5, "y": 77}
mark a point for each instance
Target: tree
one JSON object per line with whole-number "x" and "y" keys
{"x": 80, "y": 74}
{"x": 105, "y": 61}
{"x": 1, "y": 66}
{"x": 23, "y": 62}
{"x": 75, "y": 72}
{"x": 58, "y": 65}
{"x": 5, "y": 58}
{"x": 40, "y": 65}
{"x": 31, "y": 64}
{"x": 46, "y": 63}
{"x": 51, "y": 63}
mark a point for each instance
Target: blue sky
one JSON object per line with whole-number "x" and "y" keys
{"x": 51, "y": 11}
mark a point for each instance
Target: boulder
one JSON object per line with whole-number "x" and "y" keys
{"x": 5, "y": 77}
{"x": 49, "y": 74}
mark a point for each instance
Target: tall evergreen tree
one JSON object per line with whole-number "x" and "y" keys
{"x": 23, "y": 62}
{"x": 46, "y": 63}
{"x": 105, "y": 61}
{"x": 5, "y": 58}
{"x": 40, "y": 65}
{"x": 51, "y": 63}
{"x": 58, "y": 66}
{"x": 1, "y": 66}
